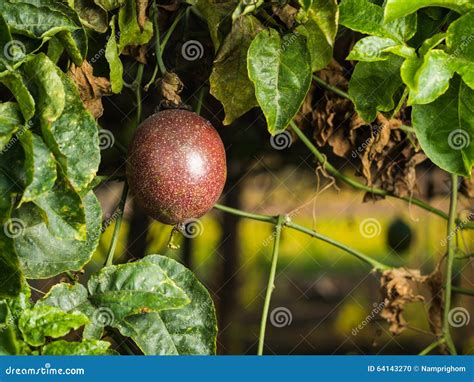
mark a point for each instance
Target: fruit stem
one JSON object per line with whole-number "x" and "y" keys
{"x": 138, "y": 91}
{"x": 360, "y": 186}
{"x": 451, "y": 237}
{"x": 271, "y": 283}
{"x": 430, "y": 347}
{"x": 118, "y": 223}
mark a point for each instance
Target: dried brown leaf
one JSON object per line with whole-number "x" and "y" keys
{"x": 286, "y": 14}
{"x": 91, "y": 88}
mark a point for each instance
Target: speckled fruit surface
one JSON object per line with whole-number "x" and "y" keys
{"x": 176, "y": 166}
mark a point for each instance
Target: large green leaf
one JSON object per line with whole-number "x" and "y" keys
{"x": 42, "y": 254}
{"x": 130, "y": 31}
{"x": 11, "y": 121}
{"x": 135, "y": 287}
{"x": 45, "y": 18}
{"x": 373, "y": 86}
{"x": 427, "y": 77}
{"x": 189, "y": 330}
{"x": 40, "y": 167}
{"x": 10, "y": 273}
{"x": 445, "y": 129}
{"x": 112, "y": 57}
{"x": 46, "y": 321}
{"x": 64, "y": 211}
{"x": 68, "y": 128}
{"x": 399, "y": 8}
{"x": 460, "y": 43}
{"x": 366, "y": 17}
{"x": 229, "y": 79}
{"x": 86, "y": 347}
{"x": 280, "y": 68}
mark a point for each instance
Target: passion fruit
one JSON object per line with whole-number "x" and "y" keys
{"x": 176, "y": 166}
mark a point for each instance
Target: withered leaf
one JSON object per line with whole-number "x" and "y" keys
{"x": 91, "y": 88}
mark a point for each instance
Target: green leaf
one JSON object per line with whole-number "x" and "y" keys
{"x": 229, "y": 79}
{"x": 366, "y": 17}
{"x": 91, "y": 15}
{"x": 42, "y": 254}
{"x": 55, "y": 49}
{"x": 130, "y": 31}
{"x": 131, "y": 288}
{"x": 373, "y": 86}
{"x": 375, "y": 48}
{"x": 325, "y": 14}
{"x": 460, "y": 43}
{"x": 46, "y": 321}
{"x": 86, "y": 347}
{"x": 189, "y": 330}
{"x": 74, "y": 298}
{"x": 280, "y": 68}
{"x": 11, "y": 121}
{"x": 64, "y": 210}
{"x": 10, "y": 273}
{"x": 399, "y": 8}
{"x": 445, "y": 128}
{"x": 68, "y": 128}
{"x": 7, "y": 191}
{"x": 427, "y": 77}
{"x": 40, "y": 167}
{"x": 112, "y": 57}
{"x": 14, "y": 82}
{"x": 215, "y": 12}
{"x": 319, "y": 49}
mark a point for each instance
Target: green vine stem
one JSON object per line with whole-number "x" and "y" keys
{"x": 335, "y": 90}
{"x": 156, "y": 27}
{"x": 137, "y": 86}
{"x": 118, "y": 224}
{"x": 432, "y": 346}
{"x": 449, "y": 263}
{"x": 360, "y": 186}
{"x": 274, "y": 220}
{"x": 458, "y": 290}
{"x": 271, "y": 283}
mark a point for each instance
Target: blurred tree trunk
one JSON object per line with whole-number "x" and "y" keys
{"x": 137, "y": 242}
{"x": 227, "y": 292}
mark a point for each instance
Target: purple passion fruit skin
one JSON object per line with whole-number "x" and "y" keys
{"x": 176, "y": 166}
